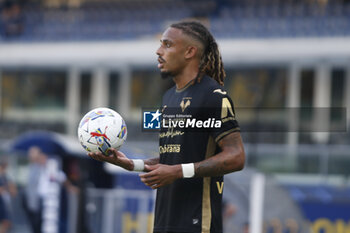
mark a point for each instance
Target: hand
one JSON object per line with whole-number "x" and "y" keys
{"x": 74, "y": 190}
{"x": 160, "y": 175}
{"x": 71, "y": 188}
{"x": 115, "y": 157}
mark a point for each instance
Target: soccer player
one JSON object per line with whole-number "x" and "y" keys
{"x": 188, "y": 174}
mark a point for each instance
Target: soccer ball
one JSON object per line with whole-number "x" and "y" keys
{"x": 102, "y": 129}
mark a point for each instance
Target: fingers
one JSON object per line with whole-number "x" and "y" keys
{"x": 119, "y": 153}
{"x": 153, "y": 178}
{"x": 104, "y": 157}
{"x": 151, "y": 171}
{"x": 155, "y": 186}
{"x": 150, "y": 179}
{"x": 112, "y": 151}
{"x": 149, "y": 168}
{"x": 148, "y": 175}
{"x": 99, "y": 156}
{"x": 116, "y": 153}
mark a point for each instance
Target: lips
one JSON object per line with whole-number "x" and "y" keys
{"x": 160, "y": 62}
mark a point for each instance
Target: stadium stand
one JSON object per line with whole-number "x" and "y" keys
{"x": 121, "y": 20}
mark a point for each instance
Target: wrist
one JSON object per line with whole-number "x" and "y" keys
{"x": 178, "y": 171}
{"x": 138, "y": 165}
{"x": 187, "y": 170}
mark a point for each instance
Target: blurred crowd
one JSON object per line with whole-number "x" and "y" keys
{"x": 42, "y": 172}
{"x": 7, "y": 191}
{"x": 122, "y": 19}
{"x": 11, "y": 23}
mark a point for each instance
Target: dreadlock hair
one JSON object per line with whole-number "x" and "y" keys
{"x": 211, "y": 62}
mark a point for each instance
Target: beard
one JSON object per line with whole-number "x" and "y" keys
{"x": 166, "y": 75}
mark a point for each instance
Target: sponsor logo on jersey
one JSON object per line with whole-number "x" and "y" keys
{"x": 171, "y": 133}
{"x": 170, "y": 148}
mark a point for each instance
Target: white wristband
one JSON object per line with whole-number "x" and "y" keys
{"x": 187, "y": 170}
{"x": 139, "y": 165}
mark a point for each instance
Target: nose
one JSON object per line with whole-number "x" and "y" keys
{"x": 159, "y": 51}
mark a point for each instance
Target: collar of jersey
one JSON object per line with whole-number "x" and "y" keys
{"x": 186, "y": 86}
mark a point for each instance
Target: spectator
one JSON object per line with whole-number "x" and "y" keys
{"x": 246, "y": 227}
{"x": 41, "y": 176}
{"x": 7, "y": 189}
{"x": 32, "y": 201}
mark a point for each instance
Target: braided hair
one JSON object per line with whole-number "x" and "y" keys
{"x": 211, "y": 62}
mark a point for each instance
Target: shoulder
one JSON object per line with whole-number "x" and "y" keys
{"x": 213, "y": 90}
{"x": 211, "y": 86}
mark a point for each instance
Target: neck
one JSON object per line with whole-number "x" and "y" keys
{"x": 182, "y": 79}
{"x": 183, "y": 82}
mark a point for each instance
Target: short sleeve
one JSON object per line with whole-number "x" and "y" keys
{"x": 220, "y": 107}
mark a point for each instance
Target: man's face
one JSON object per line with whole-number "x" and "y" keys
{"x": 171, "y": 53}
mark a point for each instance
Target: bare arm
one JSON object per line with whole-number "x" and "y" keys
{"x": 13, "y": 189}
{"x": 231, "y": 159}
{"x": 152, "y": 161}
{"x": 119, "y": 159}
{"x": 70, "y": 186}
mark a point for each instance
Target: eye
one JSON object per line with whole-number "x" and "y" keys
{"x": 167, "y": 45}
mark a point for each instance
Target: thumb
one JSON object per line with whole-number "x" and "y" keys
{"x": 115, "y": 153}
{"x": 149, "y": 168}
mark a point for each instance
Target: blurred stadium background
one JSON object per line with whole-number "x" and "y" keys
{"x": 288, "y": 72}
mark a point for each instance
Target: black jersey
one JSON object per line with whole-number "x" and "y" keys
{"x": 193, "y": 204}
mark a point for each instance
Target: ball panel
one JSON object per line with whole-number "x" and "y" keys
{"x": 101, "y": 129}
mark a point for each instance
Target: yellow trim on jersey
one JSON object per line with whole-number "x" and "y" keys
{"x": 186, "y": 86}
{"x": 206, "y": 204}
{"x": 220, "y": 136}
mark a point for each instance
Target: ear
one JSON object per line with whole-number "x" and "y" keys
{"x": 191, "y": 51}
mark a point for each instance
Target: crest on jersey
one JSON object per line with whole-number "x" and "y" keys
{"x": 185, "y": 102}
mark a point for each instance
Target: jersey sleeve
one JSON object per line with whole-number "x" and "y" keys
{"x": 221, "y": 109}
